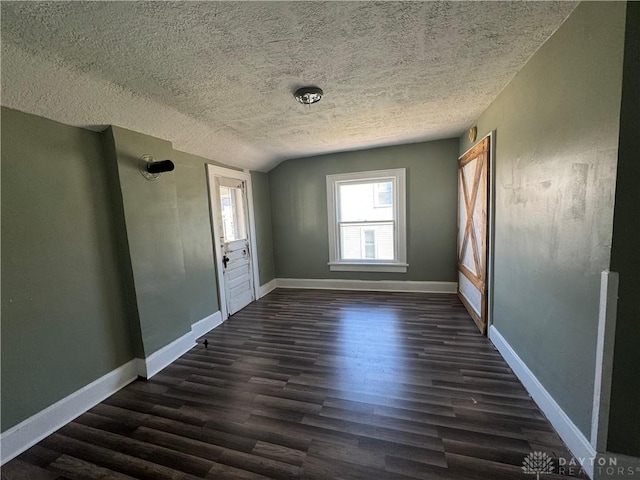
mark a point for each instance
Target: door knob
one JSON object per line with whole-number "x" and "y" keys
{"x": 225, "y": 260}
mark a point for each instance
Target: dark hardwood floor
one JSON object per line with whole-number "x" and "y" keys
{"x": 310, "y": 384}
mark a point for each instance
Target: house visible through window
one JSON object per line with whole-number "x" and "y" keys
{"x": 367, "y": 221}
{"x": 369, "y": 244}
{"x": 233, "y": 226}
{"x": 383, "y": 194}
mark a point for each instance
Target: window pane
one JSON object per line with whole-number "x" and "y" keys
{"x": 383, "y": 194}
{"x": 358, "y": 202}
{"x": 369, "y": 243}
{"x": 369, "y": 236}
{"x": 233, "y": 214}
{"x": 364, "y": 242}
{"x": 367, "y": 221}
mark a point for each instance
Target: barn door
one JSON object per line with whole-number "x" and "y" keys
{"x": 472, "y": 231}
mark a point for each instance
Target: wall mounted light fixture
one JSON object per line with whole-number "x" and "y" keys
{"x": 473, "y": 133}
{"x": 151, "y": 169}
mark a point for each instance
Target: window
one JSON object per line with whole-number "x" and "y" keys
{"x": 233, "y": 215}
{"x": 367, "y": 228}
{"x": 369, "y": 243}
{"x": 383, "y": 194}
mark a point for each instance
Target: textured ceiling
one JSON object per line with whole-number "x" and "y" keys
{"x": 217, "y": 78}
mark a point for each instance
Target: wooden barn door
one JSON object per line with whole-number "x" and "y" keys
{"x": 472, "y": 231}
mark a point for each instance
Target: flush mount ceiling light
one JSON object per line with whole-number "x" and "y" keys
{"x": 308, "y": 95}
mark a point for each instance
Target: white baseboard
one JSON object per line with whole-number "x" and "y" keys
{"x": 30, "y": 431}
{"x": 268, "y": 287}
{"x": 604, "y": 359}
{"x": 575, "y": 440}
{"x": 372, "y": 285}
{"x": 148, "y": 367}
{"x": 205, "y": 325}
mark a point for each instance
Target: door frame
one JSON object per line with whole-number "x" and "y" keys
{"x": 213, "y": 171}
{"x": 491, "y": 218}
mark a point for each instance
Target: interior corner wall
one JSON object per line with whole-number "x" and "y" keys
{"x": 201, "y": 287}
{"x": 155, "y": 243}
{"x": 169, "y": 237}
{"x": 624, "y": 418}
{"x": 64, "y": 313}
{"x": 299, "y": 210}
{"x": 263, "y": 224}
{"x": 557, "y": 125}
{"x": 121, "y": 241}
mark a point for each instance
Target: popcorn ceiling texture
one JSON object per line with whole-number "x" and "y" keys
{"x": 217, "y": 78}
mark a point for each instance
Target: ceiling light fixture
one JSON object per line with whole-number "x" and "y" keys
{"x": 308, "y": 95}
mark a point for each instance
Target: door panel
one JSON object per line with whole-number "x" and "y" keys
{"x": 234, "y": 243}
{"x": 472, "y": 231}
{"x": 471, "y": 294}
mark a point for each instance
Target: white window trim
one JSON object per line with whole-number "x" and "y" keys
{"x": 399, "y": 265}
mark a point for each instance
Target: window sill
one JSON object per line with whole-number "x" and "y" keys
{"x": 368, "y": 267}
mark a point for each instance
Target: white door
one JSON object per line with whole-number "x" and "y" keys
{"x": 233, "y": 238}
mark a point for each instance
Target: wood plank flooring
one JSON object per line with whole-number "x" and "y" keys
{"x": 314, "y": 385}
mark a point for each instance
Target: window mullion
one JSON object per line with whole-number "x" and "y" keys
{"x": 365, "y": 222}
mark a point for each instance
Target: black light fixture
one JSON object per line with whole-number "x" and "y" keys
{"x": 308, "y": 95}
{"x": 151, "y": 169}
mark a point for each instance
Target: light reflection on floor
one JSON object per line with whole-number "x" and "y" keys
{"x": 370, "y": 351}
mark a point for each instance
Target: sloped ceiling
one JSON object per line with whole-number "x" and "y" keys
{"x": 217, "y": 78}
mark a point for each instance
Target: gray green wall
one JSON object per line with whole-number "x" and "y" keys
{"x": 624, "y": 421}
{"x": 169, "y": 238}
{"x": 155, "y": 241}
{"x": 264, "y": 233}
{"x": 99, "y": 265}
{"x": 299, "y": 210}
{"x": 121, "y": 242}
{"x": 64, "y": 313}
{"x": 201, "y": 287}
{"x": 555, "y": 164}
